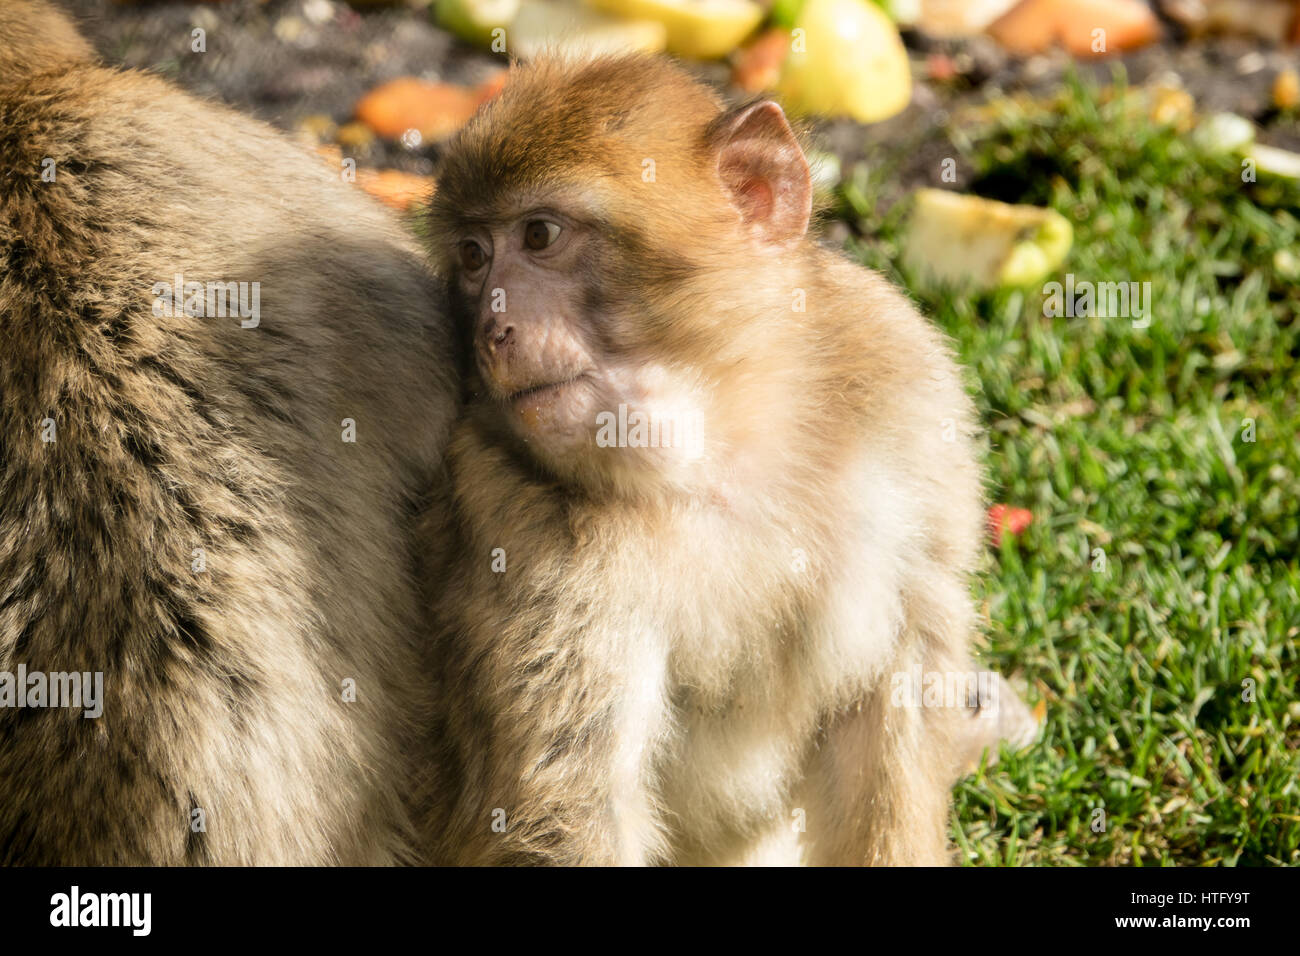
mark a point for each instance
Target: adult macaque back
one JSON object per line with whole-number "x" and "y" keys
{"x": 714, "y": 501}
{"x": 223, "y": 380}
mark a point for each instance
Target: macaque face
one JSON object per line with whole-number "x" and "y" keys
{"x": 524, "y": 317}
{"x": 596, "y": 255}
{"x": 561, "y": 362}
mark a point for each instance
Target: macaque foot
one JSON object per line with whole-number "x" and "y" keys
{"x": 1006, "y": 718}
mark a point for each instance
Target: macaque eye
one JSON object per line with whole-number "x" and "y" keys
{"x": 472, "y": 256}
{"x": 539, "y": 234}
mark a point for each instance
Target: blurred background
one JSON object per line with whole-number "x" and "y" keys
{"x": 1099, "y": 202}
{"x": 385, "y": 82}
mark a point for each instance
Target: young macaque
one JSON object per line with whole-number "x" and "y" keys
{"x": 713, "y": 506}
{"x": 224, "y": 381}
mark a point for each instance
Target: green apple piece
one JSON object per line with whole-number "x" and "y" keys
{"x": 1038, "y": 256}
{"x": 960, "y": 240}
{"x": 848, "y": 61}
{"x": 474, "y": 20}
{"x": 543, "y": 25}
{"x": 786, "y": 12}
{"x": 698, "y": 29}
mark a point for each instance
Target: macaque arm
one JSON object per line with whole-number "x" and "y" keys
{"x": 554, "y": 747}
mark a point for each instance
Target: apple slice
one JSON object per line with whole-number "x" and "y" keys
{"x": 962, "y": 240}
{"x": 542, "y": 25}
{"x": 699, "y": 29}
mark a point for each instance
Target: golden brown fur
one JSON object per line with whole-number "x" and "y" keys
{"x": 689, "y": 660}
{"x": 38, "y": 39}
{"x": 223, "y": 687}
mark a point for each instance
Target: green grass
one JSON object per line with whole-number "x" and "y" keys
{"x": 1131, "y": 441}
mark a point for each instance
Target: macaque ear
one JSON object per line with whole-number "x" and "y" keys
{"x": 764, "y": 171}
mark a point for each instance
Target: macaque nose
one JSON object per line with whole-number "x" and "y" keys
{"x": 497, "y": 337}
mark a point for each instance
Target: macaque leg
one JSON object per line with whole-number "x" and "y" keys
{"x": 879, "y": 781}
{"x": 877, "y": 792}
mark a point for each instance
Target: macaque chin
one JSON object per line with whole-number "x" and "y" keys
{"x": 679, "y": 651}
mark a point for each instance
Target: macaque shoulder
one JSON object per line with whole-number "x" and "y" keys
{"x": 897, "y": 370}
{"x": 916, "y": 448}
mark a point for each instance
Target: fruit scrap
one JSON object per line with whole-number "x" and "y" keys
{"x": 758, "y": 66}
{"x": 698, "y": 29}
{"x": 542, "y": 25}
{"x": 435, "y": 110}
{"x": 1006, "y": 518}
{"x": 1083, "y": 27}
{"x": 395, "y": 188}
{"x": 848, "y": 61}
{"x": 963, "y": 240}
